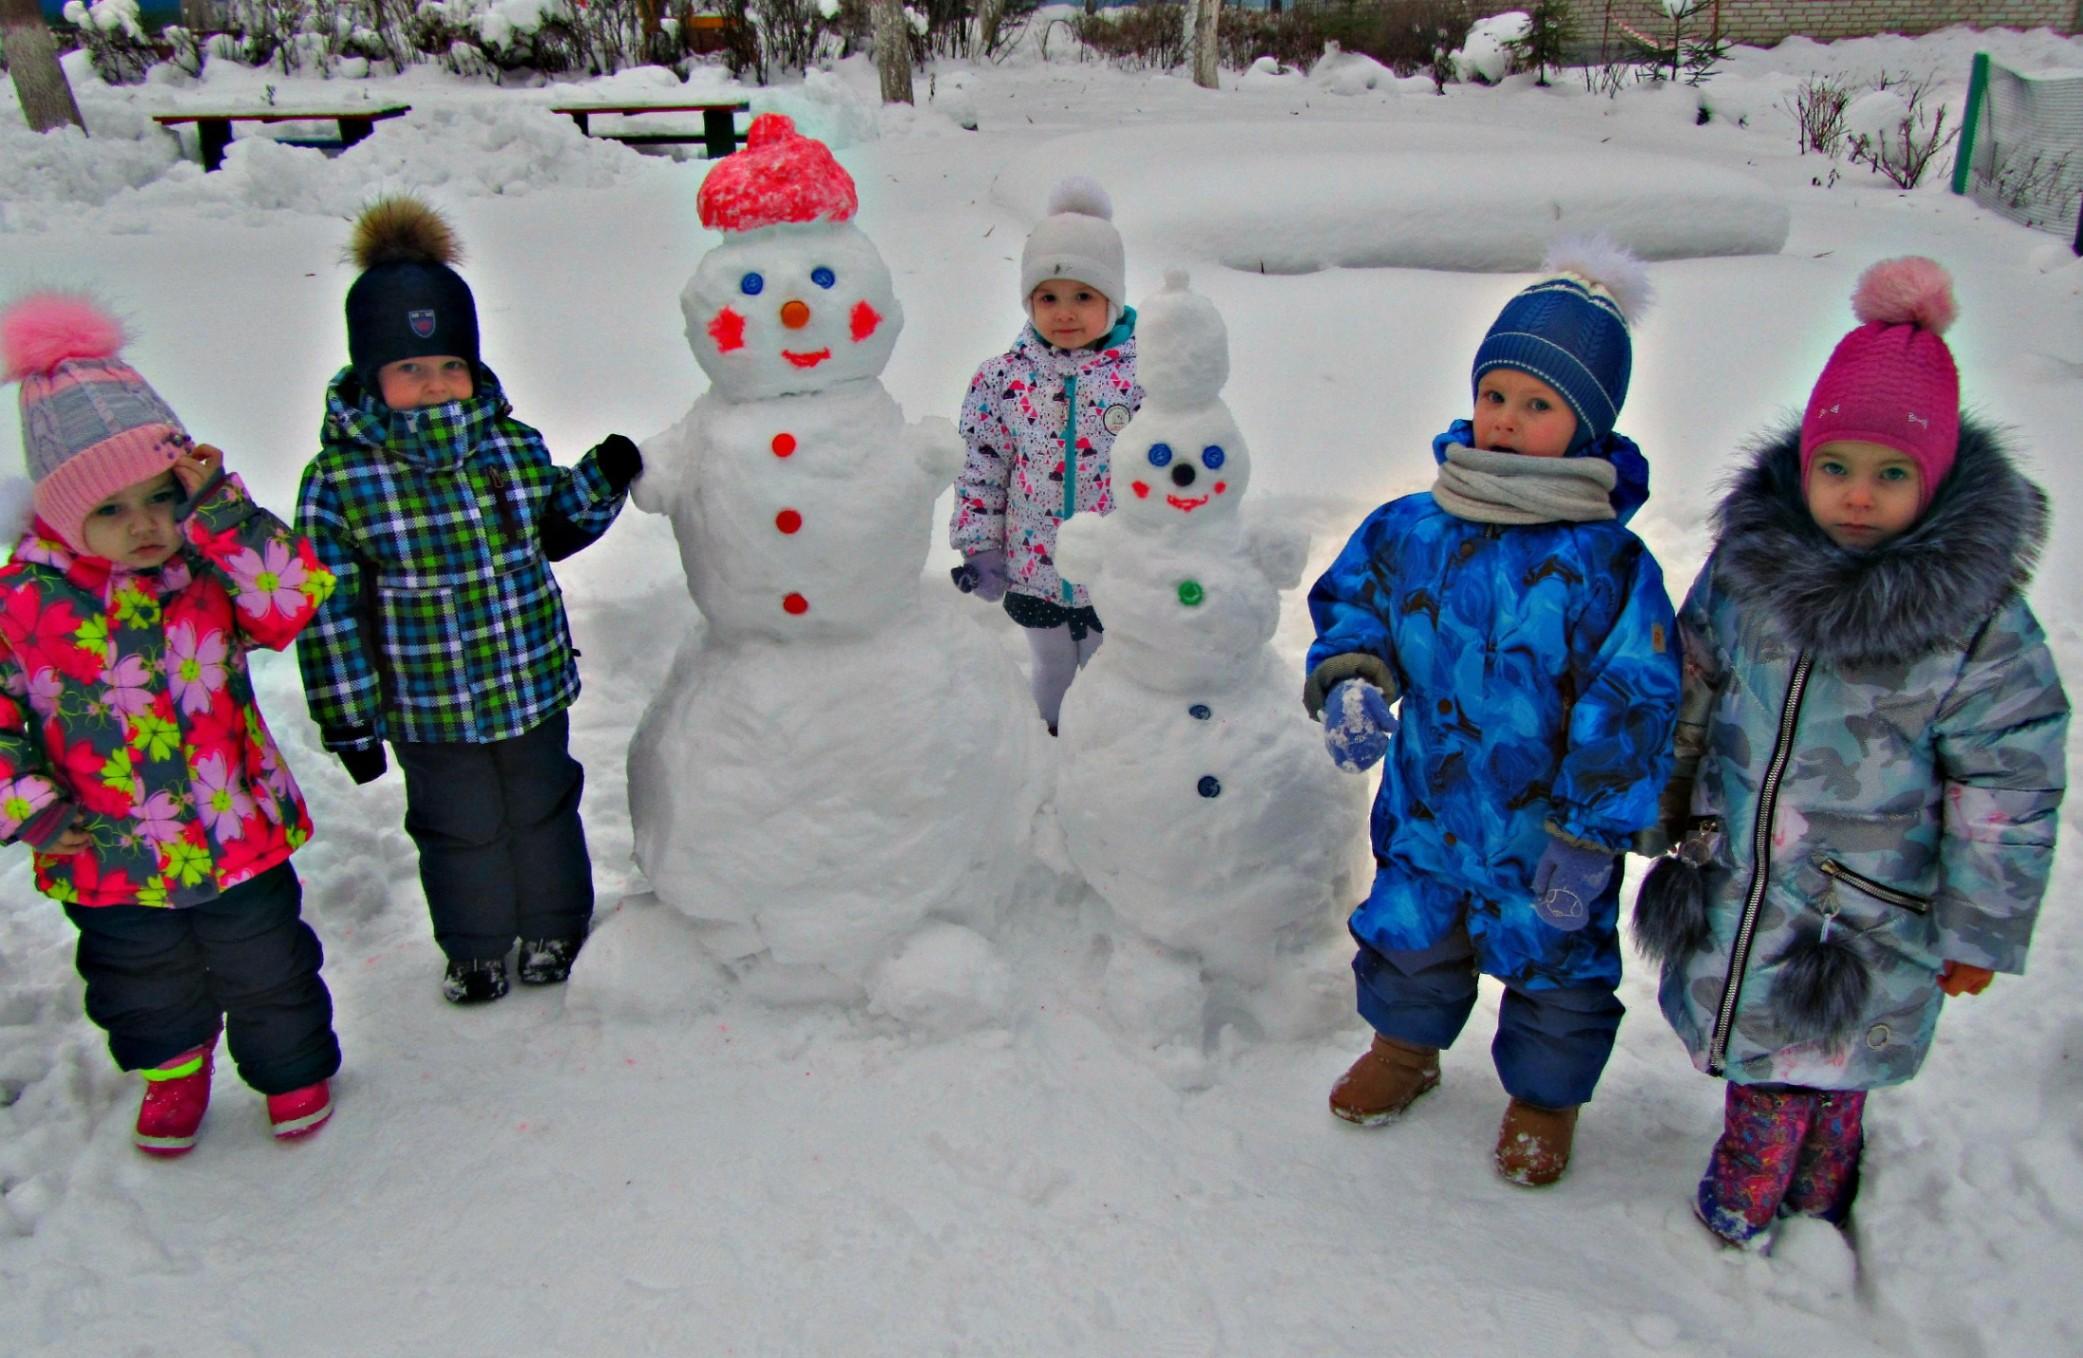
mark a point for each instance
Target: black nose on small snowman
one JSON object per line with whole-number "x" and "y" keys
{"x": 1182, "y": 476}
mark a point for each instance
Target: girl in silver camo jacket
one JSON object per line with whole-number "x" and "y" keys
{"x": 1870, "y": 759}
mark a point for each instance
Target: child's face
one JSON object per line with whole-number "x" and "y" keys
{"x": 135, "y": 526}
{"x": 1516, "y": 412}
{"x": 1068, "y": 314}
{"x": 432, "y": 380}
{"x": 1862, "y": 494}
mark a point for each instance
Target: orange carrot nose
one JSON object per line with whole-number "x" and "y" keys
{"x": 795, "y": 315}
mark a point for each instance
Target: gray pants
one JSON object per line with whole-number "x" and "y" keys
{"x": 1058, "y": 656}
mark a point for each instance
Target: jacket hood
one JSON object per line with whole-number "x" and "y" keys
{"x": 1047, "y": 357}
{"x": 1631, "y": 484}
{"x": 353, "y": 415}
{"x": 1930, "y": 587}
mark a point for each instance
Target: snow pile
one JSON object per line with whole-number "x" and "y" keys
{"x": 1486, "y": 54}
{"x": 1298, "y": 197}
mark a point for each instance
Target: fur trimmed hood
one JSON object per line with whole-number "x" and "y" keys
{"x": 1928, "y": 588}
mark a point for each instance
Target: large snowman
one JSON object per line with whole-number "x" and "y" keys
{"x": 836, "y": 773}
{"x": 1194, "y": 792}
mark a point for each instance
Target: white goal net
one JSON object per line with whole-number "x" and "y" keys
{"x": 2021, "y": 146}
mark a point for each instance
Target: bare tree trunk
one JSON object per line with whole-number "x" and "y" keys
{"x": 32, "y": 58}
{"x": 1203, "y": 15}
{"x": 892, "y": 50}
{"x": 199, "y": 16}
{"x": 990, "y": 14}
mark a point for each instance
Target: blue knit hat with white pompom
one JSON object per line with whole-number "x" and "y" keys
{"x": 1570, "y": 330}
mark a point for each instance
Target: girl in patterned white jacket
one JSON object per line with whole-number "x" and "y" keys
{"x": 1040, "y": 420}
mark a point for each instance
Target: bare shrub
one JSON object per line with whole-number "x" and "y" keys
{"x": 1902, "y": 153}
{"x": 1818, "y": 105}
{"x": 1145, "y": 37}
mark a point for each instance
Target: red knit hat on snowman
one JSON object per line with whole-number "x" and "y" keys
{"x": 1892, "y": 380}
{"x": 91, "y": 426}
{"x": 781, "y": 177}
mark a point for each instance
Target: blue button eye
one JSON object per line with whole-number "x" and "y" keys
{"x": 1212, "y": 457}
{"x": 752, "y": 285}
{"x": 1160, "y": 454}
{"x": 823, "y": 277}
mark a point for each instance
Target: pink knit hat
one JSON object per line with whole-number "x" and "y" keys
{"x": 1892, "y": 380}
{"x": 90, "y": 425}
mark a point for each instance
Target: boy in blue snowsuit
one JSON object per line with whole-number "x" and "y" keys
{"x": 1528, "y": 636}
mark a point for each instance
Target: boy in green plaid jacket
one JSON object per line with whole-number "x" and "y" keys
{"x": 438, "y": 513}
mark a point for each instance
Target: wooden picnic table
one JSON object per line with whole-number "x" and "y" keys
{"x": 719, "y": 132}
{"x": 213, "y": 127}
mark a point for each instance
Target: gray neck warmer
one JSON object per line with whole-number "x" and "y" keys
{"x": 1485, "y": 487}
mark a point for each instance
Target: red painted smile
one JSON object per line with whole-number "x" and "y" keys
{"x": 1185, "y": 506}
{"x": 807, "y": 360}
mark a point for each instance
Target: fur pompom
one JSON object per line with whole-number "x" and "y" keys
{"x": 1607, "y": 265}
{"x": 1670, "y": 919}
{"x": 44, "y": 329}
{"x": 1083, "y": 195}
{"x": 1911, "y": 290}
{"x": 402, "y": 230}
{"x": 1822, "y": 987}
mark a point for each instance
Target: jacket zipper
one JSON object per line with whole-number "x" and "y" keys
{"x": 1070, "y": 465}
{"x": 1918, "y": 905}
{"x": 1761, "y": 862}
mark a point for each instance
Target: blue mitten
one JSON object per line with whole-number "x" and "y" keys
{"x": 1357, "y": 724}
{"x": 1566, "y": 881}
{"x": 983, "y": 574}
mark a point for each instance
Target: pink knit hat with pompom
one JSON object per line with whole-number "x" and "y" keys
{"x": 1892, "y": 380}
{"x": 90, "y": 425}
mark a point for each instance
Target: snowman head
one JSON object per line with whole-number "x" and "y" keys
{"x": 796, "y": 298}
{"x": 1181, "y": 460}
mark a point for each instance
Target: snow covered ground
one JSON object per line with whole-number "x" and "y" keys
{"x": 653, "y": 1162}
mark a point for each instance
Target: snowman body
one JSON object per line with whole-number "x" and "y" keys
{"x": 1193, "y": 792}
{"x": 832, "y": 761}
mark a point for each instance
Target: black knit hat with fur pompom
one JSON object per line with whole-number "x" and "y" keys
{"x": 409, "y": 302}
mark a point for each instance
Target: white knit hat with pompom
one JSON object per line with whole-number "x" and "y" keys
{"x": 1077, "y": 240}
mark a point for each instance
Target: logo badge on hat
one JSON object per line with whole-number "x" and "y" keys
{"x": 422, "y": 322}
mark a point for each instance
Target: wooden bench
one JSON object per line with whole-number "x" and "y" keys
{"x": 213, "y": 128}
{"x": 719, "y": 132}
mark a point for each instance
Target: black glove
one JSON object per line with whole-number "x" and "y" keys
{"x": 364, "y": 765}
{"x": 619, "y": 461}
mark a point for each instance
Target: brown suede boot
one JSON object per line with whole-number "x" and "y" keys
{"x": 1533, "y": 1144}
{"x": 1386, "y": 1079}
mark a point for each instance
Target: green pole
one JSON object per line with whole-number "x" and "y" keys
{"x": 1977, "y": 93}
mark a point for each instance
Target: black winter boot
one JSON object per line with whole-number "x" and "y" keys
{"x": 547, "y": 961}
{"x": 474, "y": 982}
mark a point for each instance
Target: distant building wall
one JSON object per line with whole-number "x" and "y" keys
{"x": 1761, "y": 23}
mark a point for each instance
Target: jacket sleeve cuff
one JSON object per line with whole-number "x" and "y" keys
{"x": 337, "y": 739}
{"x": 1581, "y": 837}
{"x": 49, "y": 823}
{"x": 1338, "y": 668}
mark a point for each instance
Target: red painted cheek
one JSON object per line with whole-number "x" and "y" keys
{"x": 1221, "y": 487}
{"x": 727, "y": 328}
{"x": 1142, "y": 491}
{"x": 865, "y": 321}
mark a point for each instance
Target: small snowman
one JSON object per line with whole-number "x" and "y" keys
{"x": 834, "y": 766}
{"x": 1193, "y": 791}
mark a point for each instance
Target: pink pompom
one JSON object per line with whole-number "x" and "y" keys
{"x": 44, "y": 329}
{"x": 1912, "y": 290}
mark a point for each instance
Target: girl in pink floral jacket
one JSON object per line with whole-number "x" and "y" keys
{"x": 133, "y": 758}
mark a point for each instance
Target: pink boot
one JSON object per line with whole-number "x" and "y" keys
{"x": 300, "y": 1112}
{"x": 177, "y": 1094}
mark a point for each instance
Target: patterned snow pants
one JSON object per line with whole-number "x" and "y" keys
{"x": 1785, "y": 1150}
